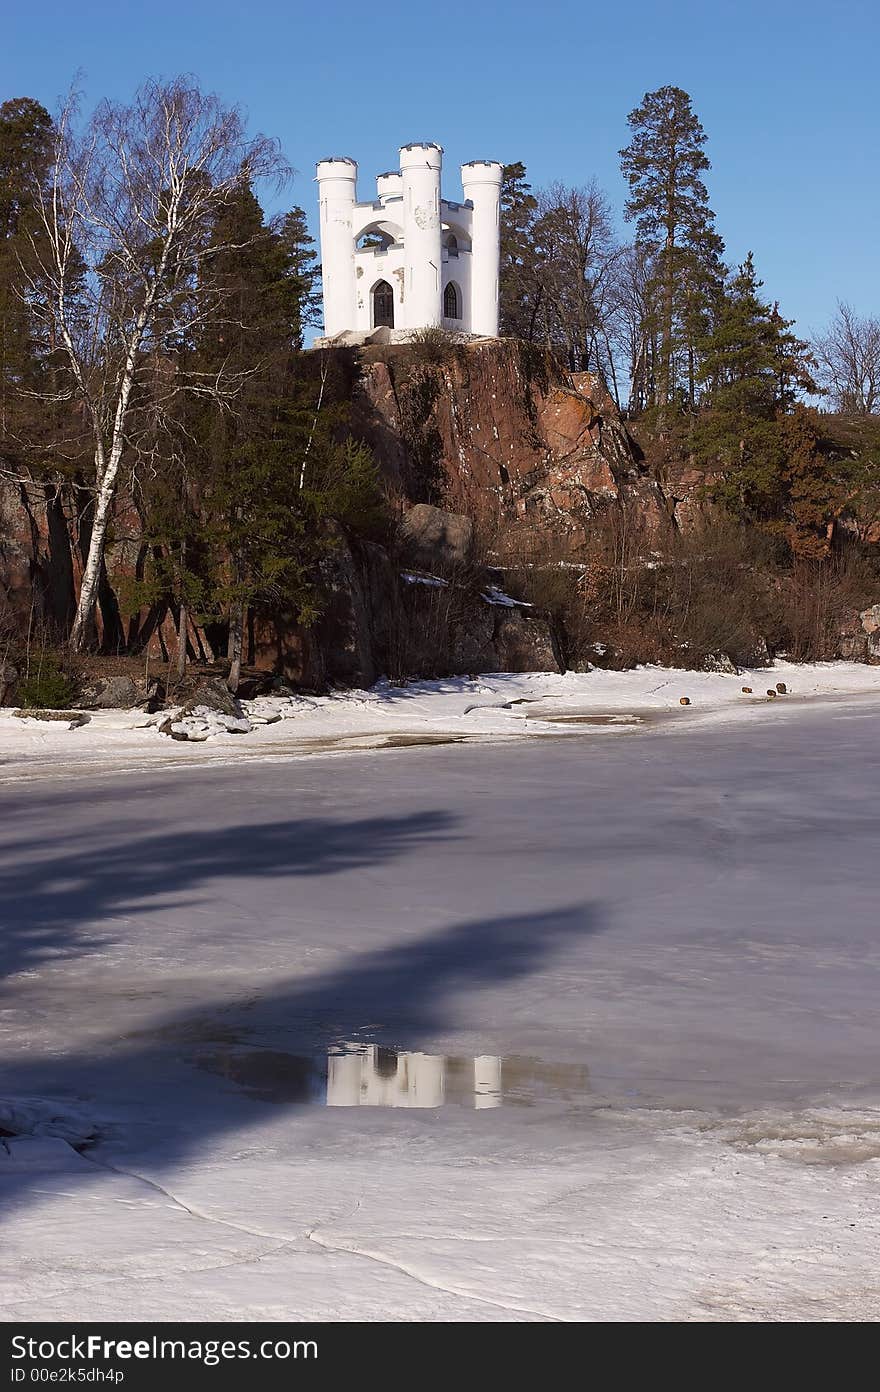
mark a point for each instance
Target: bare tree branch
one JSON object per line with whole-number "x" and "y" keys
{"x": 848, "y": 355}
{"x": 122, "y": 263}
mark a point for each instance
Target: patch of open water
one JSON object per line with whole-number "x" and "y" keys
{"x": 370, "y": 1075}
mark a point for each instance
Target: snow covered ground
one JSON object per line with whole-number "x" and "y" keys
{"x": 499, "y": 706}
{"x": 581, "y": 1027}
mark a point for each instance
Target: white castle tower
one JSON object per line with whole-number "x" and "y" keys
{"x": 410, "y": 259}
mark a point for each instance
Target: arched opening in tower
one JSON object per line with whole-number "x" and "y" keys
{"x": 451, "y": 302}
{"x": 383, "y": 305}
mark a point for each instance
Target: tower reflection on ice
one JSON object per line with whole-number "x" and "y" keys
{"x": 369, "y": 1075}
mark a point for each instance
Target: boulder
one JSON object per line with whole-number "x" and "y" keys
{"x": 72, "y": 718}
{"x": 469, "y": 638}
{"x": 870, "y": 619}
{"x": 214, "y": 695}
{"x": 431, "y": 538}
{"x": 154, "y": 697}
{"x": 111, "y": 693}
{"x": 859, "y": 636}
{"x": 199, "y": 723}
{"x": 253, "y": 684}
{"x": 211, "y": 710}
{"x": 524, "y": 643}
{"x": 719, "y": 662}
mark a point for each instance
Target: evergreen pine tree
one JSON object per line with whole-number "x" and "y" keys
{"x": 241, "y": 515}
{"x": 25, "y": 132}
{"x": 664, "y": 165}
{"x": 817, "y": 481}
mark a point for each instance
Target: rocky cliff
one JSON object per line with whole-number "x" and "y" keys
{"x": 477, "y": 444}
{"x": 492, "y": 434}
{"x": 498, "y": 430}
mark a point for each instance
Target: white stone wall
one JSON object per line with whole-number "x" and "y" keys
{"x": 457, "y": 268}
{"x": 337, "y": 182}
{"x": 420, "y": 166}
{"x": 369, "y": 268}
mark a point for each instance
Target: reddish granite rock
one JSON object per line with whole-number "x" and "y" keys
{"x": 510, "y": 435}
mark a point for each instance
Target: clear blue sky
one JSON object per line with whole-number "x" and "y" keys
{"x": 786, "y": 90}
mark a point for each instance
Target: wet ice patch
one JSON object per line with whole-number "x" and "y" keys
{"x": 369, "y": 1075}
{"x": 614, "y": 720}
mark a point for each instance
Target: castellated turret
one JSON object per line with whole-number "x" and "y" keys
{"x": 409, "y": 259}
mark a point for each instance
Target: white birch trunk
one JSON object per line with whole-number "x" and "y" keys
{"x": 107, "y": 475}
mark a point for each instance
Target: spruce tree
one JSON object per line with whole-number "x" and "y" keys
{"x": 752, "y": 365}
{"x": 817, "y": 482}
{"x": 302, "y": 270}
{"x": 752, "y": 371}
{"x": 516, "y": 283}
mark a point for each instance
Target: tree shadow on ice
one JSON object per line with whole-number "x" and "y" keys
{"x": 151, "y": 1088}
{"x": 60, "y": 894}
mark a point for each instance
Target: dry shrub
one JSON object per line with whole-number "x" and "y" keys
{"x": 432, "y": 347}
{"x": 617, "y": 595}
{"x": 621, "y": 596}
{"x": 429, "y": 628}
{"x": 10, "y": 624}
{"x": 49, "y": 674}
{"x": 720, "y": 595}
{"x": 819, "y": 598}
{"x": 600, "y": 585}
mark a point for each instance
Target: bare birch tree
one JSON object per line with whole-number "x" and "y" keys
{"x": 848, "y": 355}
{"x": 121, "y": 269}
{"x": 631, "y": 326}
{"x": 576, "y": 253}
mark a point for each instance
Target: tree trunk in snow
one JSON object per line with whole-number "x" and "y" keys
{"x": 181, "y": 642}
{"x": 88, "y": 591}
{"x": 236, "y": 634}
{"x": 182, "y": 620}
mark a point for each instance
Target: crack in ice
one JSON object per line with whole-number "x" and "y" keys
{"x": 382, "y": 1260}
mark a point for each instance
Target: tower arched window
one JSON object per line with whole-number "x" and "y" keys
{"x": 452, "y": 244}
{"x": 383, "y": 305}
{"x": 451, "y": 302}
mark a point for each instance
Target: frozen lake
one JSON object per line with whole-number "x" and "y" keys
{"x": 584, "y": 1028}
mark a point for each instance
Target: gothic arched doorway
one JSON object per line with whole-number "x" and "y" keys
{"x": 383, "y": 305}
{"x": 451, "y": 302}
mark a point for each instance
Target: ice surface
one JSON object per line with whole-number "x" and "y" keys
{"x": 493, "y": 707}
{"x": 683, "y": 916}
